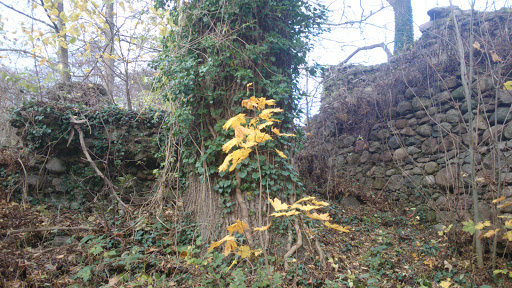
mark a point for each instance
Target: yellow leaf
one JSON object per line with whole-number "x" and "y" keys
{"x": 256, "y": 252}
{"x": 482, "y": 225}
{"x": 320, "y": 203}
{"x": 229, "y": 145}
{"x": 337, "y": 227}
{"x": 508, "y": 224}
{"x": 504, "y": 205}
{"x": 280, "y": 153}
{"x": 218, "y": 243}
{"x": 234, "y": 122}
{"x": 241, "y": 131}
{"x": 267, "y": 113}
{"x": 446, "y": 283}
{"x": 239, "y": 227}
{"x": 244, "y": 251}
{"x": 232, "y": 264}
{"x": 508, "y": 236}
{"x": 54, "y": 12}
{"x": 248, "y": 144}
{"x": 499, "y": 199}
{"x": 491, "y": 233}
{"x": 263, "y": 228}
{"x": 507, "y": 85}
{"x": 305, "y": 199}
{"x": 289, "y": 213}
{"x": 316, "y": 216}
{"x": 308, "y": 207}
{"x": 250, "y": 103}
{"x": 225, "y": 164}
{"x": 476, "y": 45}
{"x": 277, "y": 204}
{"x": 266, "y": 124}
{"x": 230, "y": 246}
{"x": 236, "y": 157}
{"x": 276, "y": 131}
{"x": 495, "y": 57}
{"x": 430, "y": 262}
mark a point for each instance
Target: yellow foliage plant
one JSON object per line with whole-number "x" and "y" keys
{"x": 249, "y": 133}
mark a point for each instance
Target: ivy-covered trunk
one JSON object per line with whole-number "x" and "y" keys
{"x": 404, "y": 29}
{"x": 206, "y": 66}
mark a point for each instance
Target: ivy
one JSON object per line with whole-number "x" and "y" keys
{"x": 205, "y": 67}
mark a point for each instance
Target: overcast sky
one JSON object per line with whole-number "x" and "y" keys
{"x": 341, "y": 42}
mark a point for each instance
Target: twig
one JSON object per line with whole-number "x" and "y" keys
{"x": 24, "y": 195}
{"x": 51, "y": 229}
{"x": 294, "y": 248}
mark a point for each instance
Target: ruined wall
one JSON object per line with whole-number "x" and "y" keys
{"x": 399, "y": 130}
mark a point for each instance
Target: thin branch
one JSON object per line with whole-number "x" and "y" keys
{"x": 381, "y": 45}
{"x": 20, "y": 51}
{"x": 26, "y": 15}
{"x": 52, "y": 229}
{"x": 112, "y": 187}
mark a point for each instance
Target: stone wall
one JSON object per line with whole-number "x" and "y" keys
{"x": 400, "y": 130}
{"x": 123, "y": 144}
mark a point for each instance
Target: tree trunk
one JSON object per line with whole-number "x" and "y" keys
{"x": 404, "y": 30}
{"x": 109, "y": 61}
{"x": 62, "y": 52}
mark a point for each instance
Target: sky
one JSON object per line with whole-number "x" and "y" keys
{"x": 335, "y": 47}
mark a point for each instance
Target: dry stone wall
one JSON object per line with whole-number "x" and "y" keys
{"x": 400, "y": 130}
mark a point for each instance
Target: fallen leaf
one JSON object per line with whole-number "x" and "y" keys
{"x": 337, "y": 227}
{"x": 446, "y": 283}
{"x": 430, "y": 262}
{"x": 448, "y": 266}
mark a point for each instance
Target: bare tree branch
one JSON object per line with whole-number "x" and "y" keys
{"x": 382, "y": 45}
{"x": 26, "y": 15}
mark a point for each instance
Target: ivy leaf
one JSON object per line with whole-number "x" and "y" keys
{"x": 239, "y": 227}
